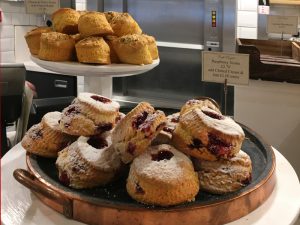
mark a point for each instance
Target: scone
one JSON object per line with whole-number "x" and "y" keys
{"x": 89, "y": 114}
{"x": 199, "y": 103}
{"x": 65, "y": 20}
{"x": 88, "y": 162}
{"x": 33, "y": 39}
{"x": 135, "y": 132}
{"x": 162, "y": 176}
{"x": 93, "y": 50}
{"x": 123, "y": 24}
{"x": 206, "y": 134}
{"x": 165, "y": 135}
{"x": 45, "y": 138}
{"x": 113, "y": 55}
{"x": 56, "y": 46}
{"x": 225, "y": 175}
{"x": 110, "y": 15}
{"x": 151, "y": 46}
{"x": 132, "y": 49}
{"x": 94, "y": 23}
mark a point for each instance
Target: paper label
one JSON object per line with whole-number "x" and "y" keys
{"x": 41, "y": 6}
{"x": 218, "y": 66}
{"x": 282, "y": 24}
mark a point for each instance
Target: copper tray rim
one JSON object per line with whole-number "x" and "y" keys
{"x": 104, "y": 203}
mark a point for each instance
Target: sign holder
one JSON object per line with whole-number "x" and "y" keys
{"x": 225, "y": 68}
{"x": 225, "y": 96}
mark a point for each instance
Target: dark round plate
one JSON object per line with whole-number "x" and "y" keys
{"x": 114, "y": 196}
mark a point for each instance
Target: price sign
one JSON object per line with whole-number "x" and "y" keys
{"x": 282, "y": 24}
{"x": 41, "y": 6}
{"x": 218, "y": 66}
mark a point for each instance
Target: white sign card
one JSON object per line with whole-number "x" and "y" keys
{"x": 41, "y": 6}
{"x": 263, "y": 9}
{"x": 218, "y": 66}
{"x": 282, "y": 24}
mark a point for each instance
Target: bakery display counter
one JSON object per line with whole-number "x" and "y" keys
{"x": 272, "y": 60}
{"x": 21, "y": 206}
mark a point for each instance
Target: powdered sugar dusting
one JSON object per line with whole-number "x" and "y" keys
{"x": 166, "y": 170}
{"x": 52, "y": 119}
{"x": 226, "y": 125}
{"x": 104, "y": 158}
{"x": 105, "y": 106}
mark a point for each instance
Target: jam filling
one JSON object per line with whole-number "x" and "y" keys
{"x": 217, "y": 146}
{"x": 104, "y": 127}
{"x": 64, "y": 179}
{"x": 139, "y": 119}
{"x": 97, "y": 142}
{"x": 100, "y": 99}
{"x": 175, "y": 119}
{"x": 162, "y": 155}
{"x": 196, "y": 144}
{"x": 37, "y": 134}
{"x": 247, "y": 180}
{"x": 72, "y": 110}
{"x": 139, "y": 189}
{"x": 131, "y": 148}
{"x": 160, "y": 126}
{"x": 213, "y": 115}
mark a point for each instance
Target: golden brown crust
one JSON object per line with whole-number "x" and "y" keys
{"x": 224, "y": 175}
{"x": 205, "y": 134}
{"x": 134, "y": 133}
{"x": 162, "y": 176}
{"x": 123, "y": 24}
{"x": 86, "y": 116}
{"x": 33, "y": 38}
{"x": 113, "y": 55}
{"x": 77, "y": 171}
{"x": 94, "y": 23}
{"x": 93, "y": 50}
{"x": 46, "y": 139}
{"x": 65, "y": 20}
{"x": 132, "y": 49}
{"x": 152, "y": 46}
{"x": 110, "y": 15}
{"x": 56, "y": 47}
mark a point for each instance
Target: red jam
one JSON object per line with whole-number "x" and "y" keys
{"x": 100, "y": 99}
{"x": 97, "y": 142}
{"x": 196, "y": 143}
{"x": 104, "y": 127}
{"x": 131, "y": 148}
{"x": 139, "y": 119}
{"x": 64, "y": 179}
{"x": 162, "y": 155}
{"x": 72, "y": 110}
{"x": 217, "y": 146}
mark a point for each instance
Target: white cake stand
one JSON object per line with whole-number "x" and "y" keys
{"x": 97, "y": 78}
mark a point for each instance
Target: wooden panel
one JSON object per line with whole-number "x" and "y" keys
{"x": 285, "y": 2}
{"x": 296, "y": 51}
{"x": 271, "y": 60}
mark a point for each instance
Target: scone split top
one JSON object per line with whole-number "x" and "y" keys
{"x": 89, "y": 114}
{"x": 136, "y": 130}
{"x": 88, "y": 162}
{"x": 206, "y": 134}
